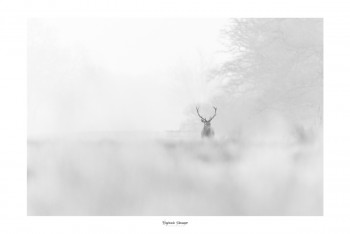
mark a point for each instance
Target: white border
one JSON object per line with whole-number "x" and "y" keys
{"x": 13, "y": 182}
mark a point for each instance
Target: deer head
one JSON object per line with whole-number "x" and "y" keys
{"x": 207, "y": 131}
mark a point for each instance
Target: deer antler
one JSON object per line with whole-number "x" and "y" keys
{"x": 199, "y": 114}
{"x": 213, "y": 115}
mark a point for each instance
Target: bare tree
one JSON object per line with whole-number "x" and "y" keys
{"x": 278, "y": 62}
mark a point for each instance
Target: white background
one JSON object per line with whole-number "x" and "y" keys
{"x": 13, "y": 121}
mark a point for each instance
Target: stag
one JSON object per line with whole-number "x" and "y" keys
{"x": 207, "y": 130}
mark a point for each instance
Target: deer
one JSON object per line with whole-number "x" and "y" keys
{"x": 207, "y": 129}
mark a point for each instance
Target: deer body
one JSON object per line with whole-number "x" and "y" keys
{"x": 207, "y": 130}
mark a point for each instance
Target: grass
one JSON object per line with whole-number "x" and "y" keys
{"x": 169, "y": 174}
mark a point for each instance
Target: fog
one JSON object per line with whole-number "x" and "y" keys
{"x": 117, "y": 74}
{"x": 113, "y": 127}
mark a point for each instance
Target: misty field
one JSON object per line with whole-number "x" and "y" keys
{"x": 174, "y": 174}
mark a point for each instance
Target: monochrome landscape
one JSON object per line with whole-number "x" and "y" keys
{"x": 175, "y": 117}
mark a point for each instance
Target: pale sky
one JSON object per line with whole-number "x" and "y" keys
{"x": 118, "y": 74}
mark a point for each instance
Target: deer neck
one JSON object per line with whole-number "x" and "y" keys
{"x": 206, "y": 126}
